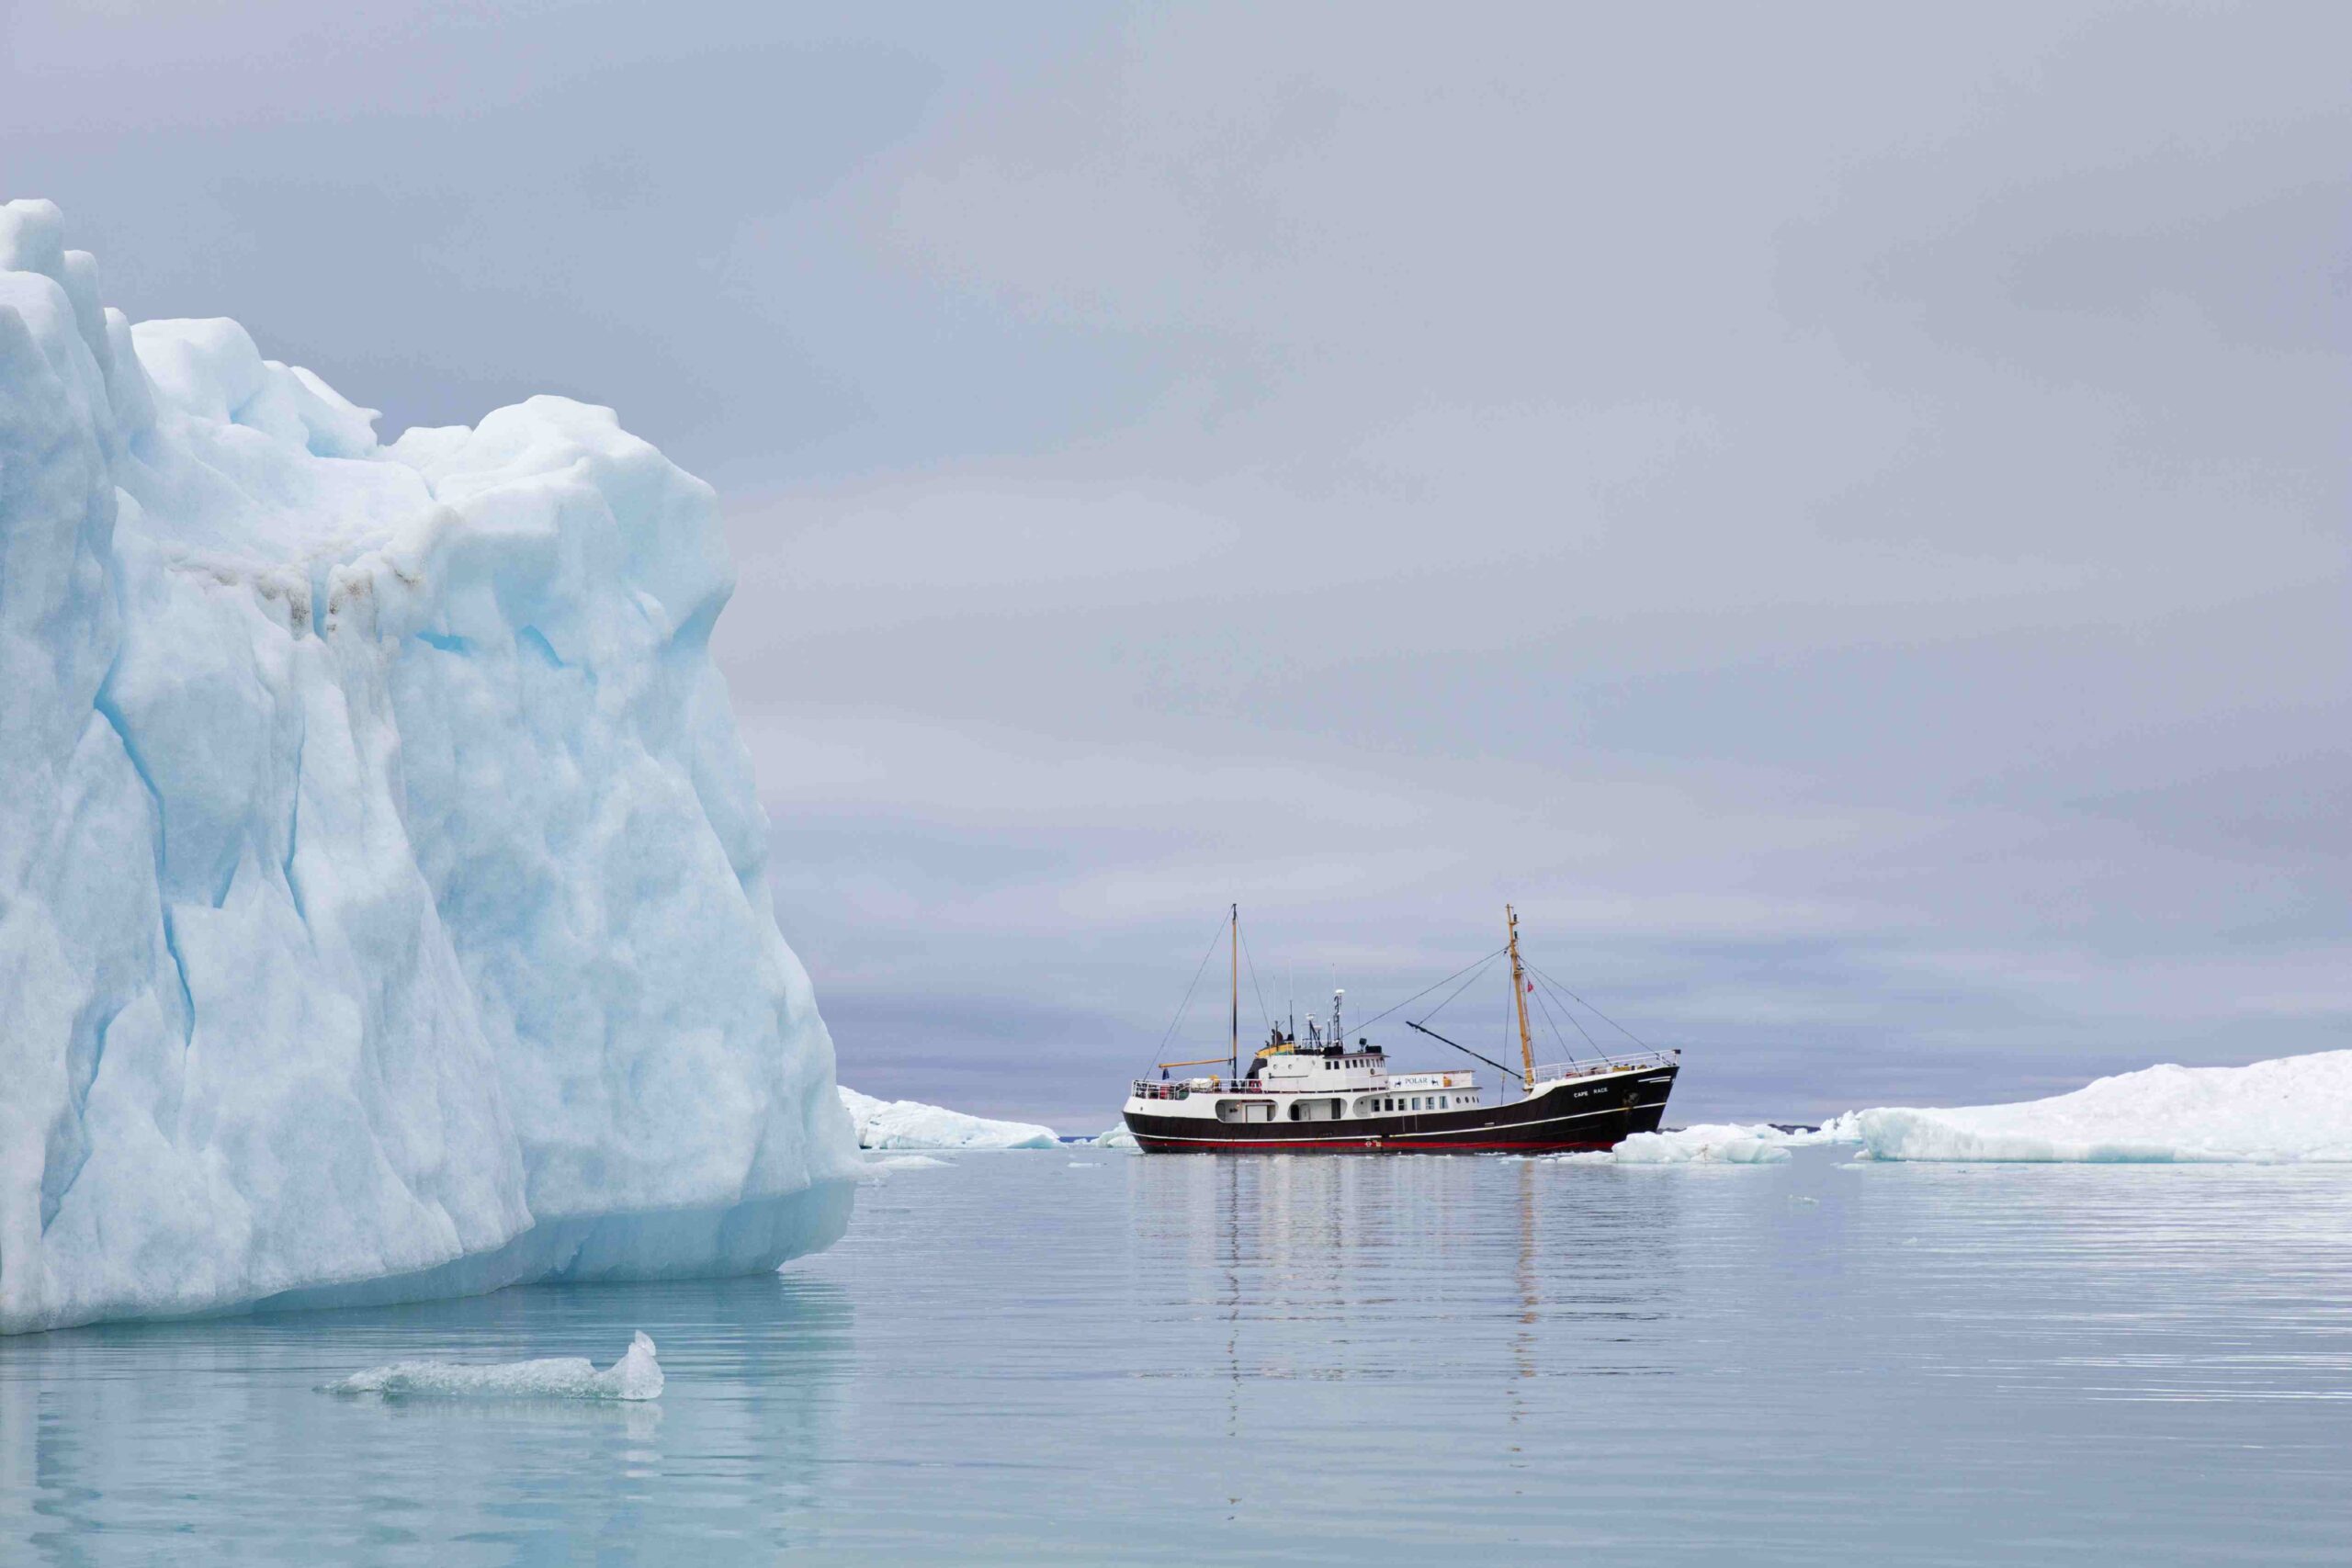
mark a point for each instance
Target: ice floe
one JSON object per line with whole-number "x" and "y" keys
{"x": 2292, "y": 1108}
{"x": 637, "y": 1375}
{"x": 1709, "y": 1143}
{"x": 910, "y": 1125}
{"x": 877, "y": 1168}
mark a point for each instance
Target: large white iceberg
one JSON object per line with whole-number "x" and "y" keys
{"x": 2293, "y": 1109}
{"x": 382, "y": 905}
{"x": 912, "y": 1124}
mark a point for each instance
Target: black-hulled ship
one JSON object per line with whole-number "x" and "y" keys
{"x": 1324, "y": 1096}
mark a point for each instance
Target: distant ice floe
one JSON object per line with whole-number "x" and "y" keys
{"x": 636, "y": 1376}
{"x": 910, "y": 1125}
{"x": 880, "y": 1167}
{"x": 1117, "y": 1137}
{"x": 2295, "y": 1108}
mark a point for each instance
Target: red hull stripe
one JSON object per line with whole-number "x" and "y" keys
{"x": 1357, "y": 1145}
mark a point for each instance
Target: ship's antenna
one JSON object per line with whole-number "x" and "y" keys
{"x": 1519, "y": 998}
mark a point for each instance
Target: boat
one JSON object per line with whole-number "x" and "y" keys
{"x": 1323, "y": 1095}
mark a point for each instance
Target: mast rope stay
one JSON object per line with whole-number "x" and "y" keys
{"x": 1546, "y": 1009}
{"x": 1460, "y": 988}
{"x": 1170, "y": 1033}
{"x": 1251, "y": 959}
{"x": 1594, "y": 1010}
{"x": 1417, "y": 996}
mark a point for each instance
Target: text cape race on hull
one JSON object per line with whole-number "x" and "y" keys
{"x": 1326, "y": 1097}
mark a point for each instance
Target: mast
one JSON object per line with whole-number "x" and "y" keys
{"x": 1519, "y": 998}
{"x": 1237, "y": 991}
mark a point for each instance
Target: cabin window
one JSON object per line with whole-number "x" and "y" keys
{"x": 1417, "y": 1103}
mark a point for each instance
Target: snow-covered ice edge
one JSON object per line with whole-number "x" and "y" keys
{"x": 912, "y": 1125}
{"x": 2291, "y": 1110}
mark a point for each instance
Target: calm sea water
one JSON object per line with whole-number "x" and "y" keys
{"x": 1099, "y": 1357}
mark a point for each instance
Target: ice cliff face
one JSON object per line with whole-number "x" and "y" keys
{"x": 382, "y": 909}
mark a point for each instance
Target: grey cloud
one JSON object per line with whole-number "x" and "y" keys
{"x": 1837, "y": 509}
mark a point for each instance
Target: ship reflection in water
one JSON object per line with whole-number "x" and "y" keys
{"x": 1091, "y": 1356}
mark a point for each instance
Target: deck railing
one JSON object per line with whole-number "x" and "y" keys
{"x": 1552, "y": 1072}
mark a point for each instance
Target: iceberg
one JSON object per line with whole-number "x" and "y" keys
{"x": 1117, "y": 1137}
{"x": 637, "y": 1375}
{"x": 910, "y": 1125}
{"x": 383, "y": 904}
{"x": 2291, "y": 1110}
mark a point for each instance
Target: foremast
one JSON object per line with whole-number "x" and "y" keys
{"x": 1519, "y": 998}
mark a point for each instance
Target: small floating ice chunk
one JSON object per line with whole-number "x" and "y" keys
{"x": 1117, "y": 1137}
{"x": 635, "y": 1375}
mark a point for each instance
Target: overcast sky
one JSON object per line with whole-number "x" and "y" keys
{"x": 1838, "y": 511}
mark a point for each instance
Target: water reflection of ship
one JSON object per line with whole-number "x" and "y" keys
{"x": 1324, "y": 1096}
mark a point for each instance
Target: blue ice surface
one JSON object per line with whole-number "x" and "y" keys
{"x": 383, "y": 893}
{"x": 1198, "y": 1360}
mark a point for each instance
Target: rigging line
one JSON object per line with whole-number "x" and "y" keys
{"x": 1572, "y": 1018}
{"x": 1462, "y": 988}
{"x": 1599, "y": 1014}
{"x": 1544, "y": 1009}
{"x": 1170, "y": 1033}
{"x": 1571, "y": 1012}
{"x": 1425, "y": 991}
{"x": 1253, "y": 978}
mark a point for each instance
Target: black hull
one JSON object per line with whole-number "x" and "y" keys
{"x": 1577, "y": 1113}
